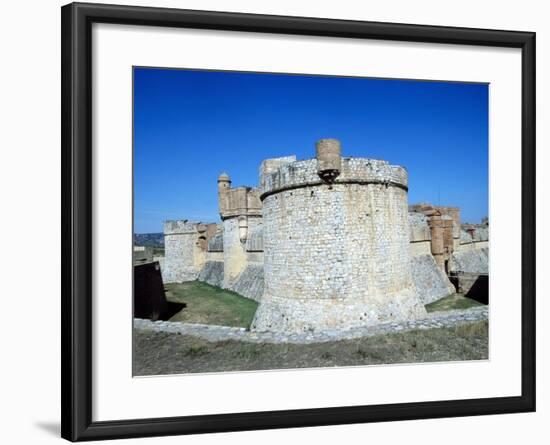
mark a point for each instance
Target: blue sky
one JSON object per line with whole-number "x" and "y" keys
{"x": 189, "y": 126}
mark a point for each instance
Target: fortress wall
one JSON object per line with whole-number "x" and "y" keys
{"x": 473, "y": 246}
{"x": 474, "y": 261}
{"x": 481, "y": 233}
{"x": 420, "y": 236}
{"x": 255, "y": 257}
{"x": 255, "y": 239}
{"x": 215, "y": 245}
{"x": 248, "y": 262}
{"x": 335, "y": 255}
{"x": 142, "y": 254}
{"x": 212, "y": 273}
{"x": 420, "y": 248}
{"x": 419, "y": 230}
{"x": 470, "y": 271}
{"x": 233, "y": 254}
{"x": 234, "y": 250}
{"x": 430, "y": 281}
{"x": 324, "y": 243}
{"x": 255, "y": 245}
{"x": 214, "y": 256}
{"x": 250, "y": 283}
{"x": 481, "y": 245}
{"x": 183, "y": 255}
{"x": 160, "y": 260}
{"x": 269, "y": 166}
{"x": 465, "y": 237}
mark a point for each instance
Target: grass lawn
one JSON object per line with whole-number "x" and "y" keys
{"x": 456, "y": 301}
{"x": 210, "y": 305}
{"x": 164, "y": 353}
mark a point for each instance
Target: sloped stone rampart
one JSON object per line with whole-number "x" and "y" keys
{"x": 431, "y": 282}
{"x": 212, "y": 273}
{"x": 250, "y": 283}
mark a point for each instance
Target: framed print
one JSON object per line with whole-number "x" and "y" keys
{"x": 275, "y": 222}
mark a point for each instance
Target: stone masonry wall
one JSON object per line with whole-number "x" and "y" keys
{"x": 420, "y": 238}
{"x": 183, "y": 256}
{"x": 250, "y": 283}
{"x": 477, "y": 237}
{"x": 470, "y": 261}
{"x": 430, "y": 281}
{"x": 212, "y": 273}
{"x": 234, "y": 250}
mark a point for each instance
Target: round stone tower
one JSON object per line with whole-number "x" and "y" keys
{"x": 336, "y": 246}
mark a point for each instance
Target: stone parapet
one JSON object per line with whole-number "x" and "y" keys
{"x": 179, "y": 227}
{"x": 240, "y": 201}
{"x": 476, "y": 232}
{"x": 269, "y": 166}
{"x": 299, "y": 174}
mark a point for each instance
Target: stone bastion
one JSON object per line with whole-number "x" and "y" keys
{"x": 336, "y": 243}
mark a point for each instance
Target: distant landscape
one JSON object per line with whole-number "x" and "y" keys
{"x": 149, "y": 239}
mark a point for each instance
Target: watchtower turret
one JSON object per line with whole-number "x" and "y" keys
{"x": 329, "y": 159}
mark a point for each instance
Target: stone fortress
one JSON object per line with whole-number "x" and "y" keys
{"x": 328, "y": 243}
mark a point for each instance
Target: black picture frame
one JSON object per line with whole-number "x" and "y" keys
{"x": 76, "y": 130}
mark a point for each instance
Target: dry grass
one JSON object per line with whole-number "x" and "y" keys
{"x": 162, "y": 353}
